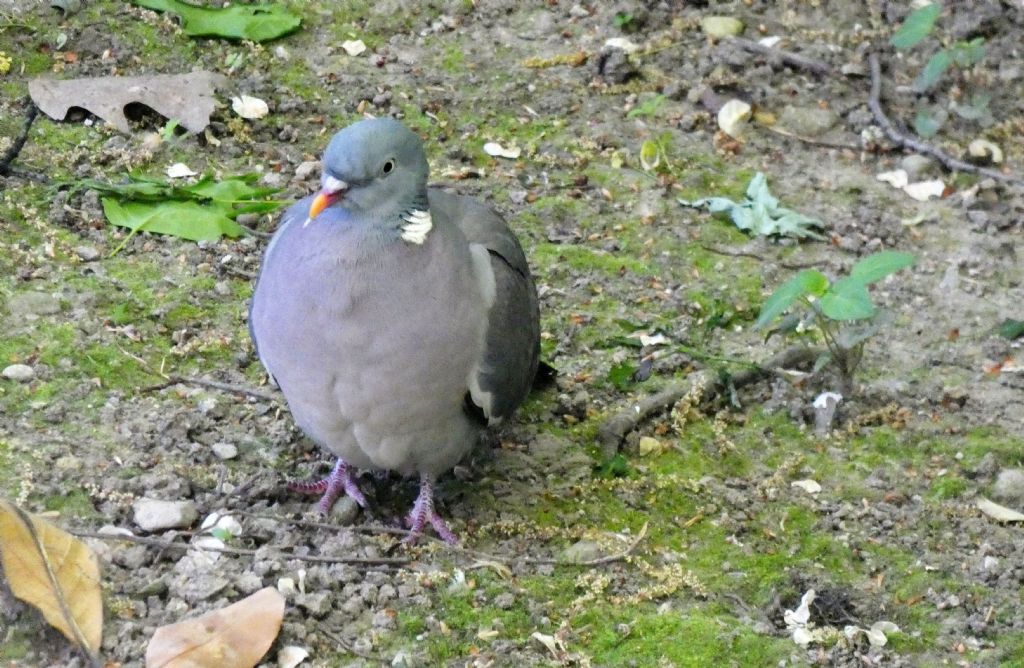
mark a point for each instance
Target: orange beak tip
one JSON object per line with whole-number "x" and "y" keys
{"x": 320, "y": 202}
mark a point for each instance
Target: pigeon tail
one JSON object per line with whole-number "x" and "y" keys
{"x": 423, "y": 512}
{"x": 341, "y": 480}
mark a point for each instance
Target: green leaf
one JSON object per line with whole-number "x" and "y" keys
{"x": 1011, "y": 329}
{"x": 259, "y": 23}
{"x": 809, "y": 282}
{"x": 847, "y": 299}
{"x": 879, "y": 265}
{"x": 188, "y": 220}
{"x": 966, "y": 54}
{"x": 621, "y": 375}
{"x": 933, "y": 70}
{"x": 917, "y": 26}
{"x": 760, "y": 212}
{"x": 648, "y": 107}
{"x": 926, "y": 124}
{"x": 650, "y": 155}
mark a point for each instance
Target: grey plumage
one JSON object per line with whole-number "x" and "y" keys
{"x": 380, "y": 314}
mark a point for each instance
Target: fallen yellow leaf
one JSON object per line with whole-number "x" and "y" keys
{"x": 233, "y": 637}
{"x": 52, "y": 570}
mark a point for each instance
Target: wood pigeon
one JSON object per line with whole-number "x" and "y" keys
{"x": 398, "y": 320}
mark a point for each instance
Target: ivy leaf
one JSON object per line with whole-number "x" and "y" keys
{"x": 877, "y": 266}
{"x": 926, "y": 124}
{"x": 622, "y": 375}
{"x": 1011, "y": 329}
{"x": 259, "y": 23}
{"x": 933, "y": 70}
{"x": 917, "y": 26}
{"x": 809, "y": 282}
{"x": 847, "y": 299}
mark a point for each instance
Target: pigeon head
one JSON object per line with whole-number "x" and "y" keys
{"x": 375, "y": 167}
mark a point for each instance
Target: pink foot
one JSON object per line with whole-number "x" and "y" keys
{"x": 423, "y": 512}
{"x": 339, "y": 481}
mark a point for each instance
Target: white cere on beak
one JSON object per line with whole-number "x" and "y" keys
{"x": 333, "y": 185}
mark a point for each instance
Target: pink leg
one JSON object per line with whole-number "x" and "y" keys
{"x": 423, "y": 512}
{"x": 339, "y": 481}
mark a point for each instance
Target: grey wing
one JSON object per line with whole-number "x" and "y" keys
{"x": 512, "y": 346}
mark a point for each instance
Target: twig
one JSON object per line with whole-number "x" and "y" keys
{"x": 347, "y": 646}
{"x": 736, "y": 253}
{"x": 212, "y": 384}
{"x": 796, "y": 60}
{"x": 904, "y": 140}
{"x": 613, "y": 430}
{"x": 19, "y": 142}
{"x": 243, "y": 551}
{"x": 811, "y": 140}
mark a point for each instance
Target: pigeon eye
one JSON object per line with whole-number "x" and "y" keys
{"x": 388, "y": 167}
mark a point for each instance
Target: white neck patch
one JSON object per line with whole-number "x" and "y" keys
{"x": 418, "y": 224}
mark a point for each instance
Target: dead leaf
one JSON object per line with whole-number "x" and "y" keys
{"x": 249, "y": 107}
{"x": 998, "y": 512}
{"x": 55, "y": 572}
{"x": 185, "y": 97}
{"x": 496, "y": 150}
{"x": 233, "y": 637}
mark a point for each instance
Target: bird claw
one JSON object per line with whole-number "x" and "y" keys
{"x": 423, "y": 512}
{"x": 339, "y": 482}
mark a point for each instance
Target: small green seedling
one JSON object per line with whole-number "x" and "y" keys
{"x": 841, "y": 310}
{"x": 961, "y": 54}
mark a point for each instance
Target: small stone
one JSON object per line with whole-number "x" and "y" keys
{"x": 504, "y": 600}
{"x": 317, "y": 603}
{"x": 916, "y": 165}
{"x": 384, "y": 619}
{"x": 224, "y": 450}
{"x": 306, "y": 168}
{"x": 718, "y": 27}
{"x": 19, "y": 372}
{"x": 87, "y": 253}
{"x": 1009, "y": 485}
{"x": 578, "y": 12}
{"x": 584, "y": 550}
{"x": 33, "y": 304}
{"x": 404, "y": 659}
{"x": 157, "y": 514}
{"x": 807, "y": 121}
{"x": 344, "y": 511}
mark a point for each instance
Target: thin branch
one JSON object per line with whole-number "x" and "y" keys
{"x": 613, "y": 430}
{"x": 212, "y": 384}
{"x": 244, "y": 552}
{"x": 904, "y": 140}
{"x": 348, "y": 647}
{"x": 810, "y": 140}
{"x": 19, "y": 142}
{"x": 789, "y": 58}
{"x": 735, "y": 253}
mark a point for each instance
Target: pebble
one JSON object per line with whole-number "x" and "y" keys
{"x": 584, "y": 550}
{"x": 33, "y": 304}
{"x": 87, "y": 253}
{"x": 157, "y": 514}
{"x": 344, "y": 511}
{"x": 1009, "y": 485}
{"x": 718, "y": 27}
{"x": 807, "y": 121}
{"x": 224, "y": 450}
{"x": 19, "y": 372}
{"x": 306, "y": 168}
{"x": 916, "y": 165}
{"x": 317, "y": 603}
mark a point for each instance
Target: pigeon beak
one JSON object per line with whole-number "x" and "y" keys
{"x": 333, "y": 190}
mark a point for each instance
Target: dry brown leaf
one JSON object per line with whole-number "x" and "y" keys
{"x": 233, "y": 637}
{"x": 52, "y": 570}
{"x": 185, "y": 97}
